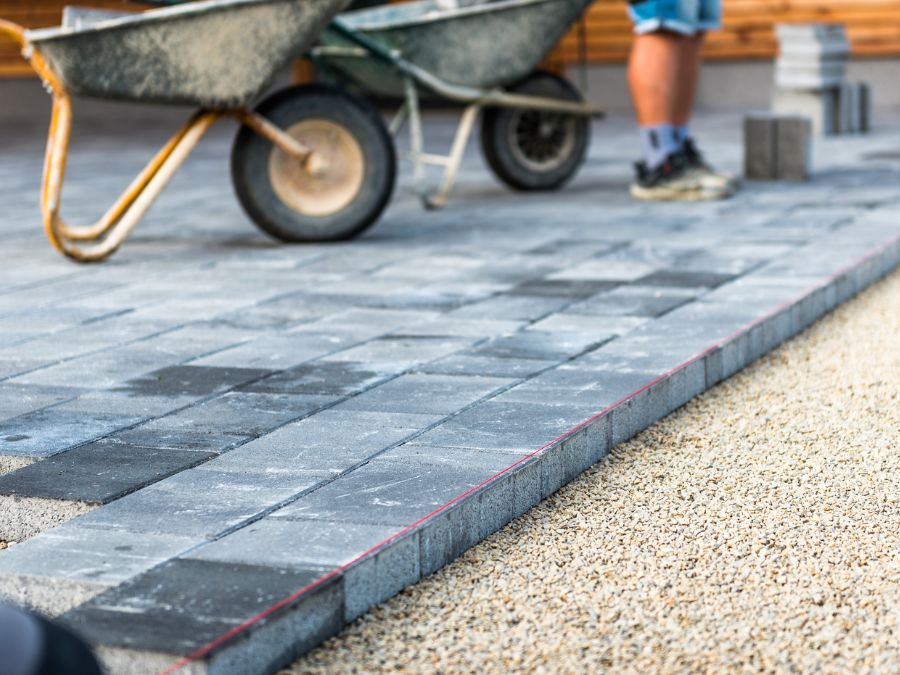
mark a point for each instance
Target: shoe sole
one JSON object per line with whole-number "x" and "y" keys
{"x": 672, "y": 195}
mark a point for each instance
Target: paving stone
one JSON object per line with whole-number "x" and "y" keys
{"x": 563, "y": 288}
{"x": 385, "y": 493}
{"x": 511, "y": 308}
{"x": 331, "y": 442}
{"x": 277, "y": 352}
{"x": 567, "y": 322}
{"x": 638, "y": 301}
{"x": 488, "y": 366}
{"x": 194, "y": 380}
{"x": 97, "y": 473}
{"x": 71, "y": 564}
{"x": 278, "y": 542}
{"x": 182, "y": 605}
{"x": 679, "y": 278}
{"x": 420, "y": 393}
{"x": 52, "y": 430}
{"x": 322, "y": 378}
{"x": 397, "y": 353}
{"x": 198, "y": 503}
{"x": 518, "y": 428}
{"x": 605, "y": 269}
{"x": 537, "y": 345}
{"x": 224, "y": 422}
{"x": 16, "y": 400}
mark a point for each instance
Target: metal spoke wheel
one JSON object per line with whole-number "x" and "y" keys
{"x": 344, "y": 186}
{"x": 532, "y": 150}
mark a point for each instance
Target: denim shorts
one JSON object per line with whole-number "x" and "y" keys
{"x": 687, "y": 17}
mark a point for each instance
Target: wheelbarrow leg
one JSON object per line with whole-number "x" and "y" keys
{"x": 421, "y": 159}
{"x": 110, "y": 232}
{"x": 417, "y": 142}
{"x": 454, "y": 161}
{"x": 399, "y": 120}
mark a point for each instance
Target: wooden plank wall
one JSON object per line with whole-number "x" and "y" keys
{"x": 36, "y": 14}
{"x": 873, "y": 26}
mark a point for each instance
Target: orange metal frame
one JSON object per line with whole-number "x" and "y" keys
{"x": 97, "y": 242}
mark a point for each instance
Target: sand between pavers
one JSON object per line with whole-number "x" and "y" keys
{"x": 754, "y": 530}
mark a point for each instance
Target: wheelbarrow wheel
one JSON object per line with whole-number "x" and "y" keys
{"x": 531, "y": 150}
{"x": 340, "y": 200}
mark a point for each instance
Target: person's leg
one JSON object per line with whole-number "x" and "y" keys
{"x": 690, "y": 59}
{"x": 653, "y": 76}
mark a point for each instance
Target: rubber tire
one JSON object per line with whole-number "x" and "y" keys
{"x": 250, "y": 161}
{"x": 496, "y": 135}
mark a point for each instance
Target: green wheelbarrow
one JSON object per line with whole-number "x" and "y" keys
{"x": 309, "y": 163}
{"x": 535, "y": 130}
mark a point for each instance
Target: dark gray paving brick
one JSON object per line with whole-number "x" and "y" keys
{"x": 563, "y": 288}
{"x": 537, "y": 345}
{"x": 182, "y": 605}
{"x": 97, "y": 473}
{"x": 681, "y": 278}
{"x": 194, "y": 380}
{"x": 224, "y": 422}
{"x": 511, "y": 308}
{"x": 322, "y": 378}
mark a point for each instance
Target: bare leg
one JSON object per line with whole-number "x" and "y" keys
{"x": 654, "y": 73}
{"x": 689, "y": 60}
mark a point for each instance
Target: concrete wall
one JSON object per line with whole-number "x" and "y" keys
{"x": 741, "y": 85}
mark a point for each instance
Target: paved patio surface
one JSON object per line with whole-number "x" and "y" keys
{"x": 219, "y": 447}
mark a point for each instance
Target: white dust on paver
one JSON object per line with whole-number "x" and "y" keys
{"x": 756, "y": 529}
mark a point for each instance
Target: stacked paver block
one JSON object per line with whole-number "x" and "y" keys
{"x": 810, "y": 79}
{"x": 777, "y": 147}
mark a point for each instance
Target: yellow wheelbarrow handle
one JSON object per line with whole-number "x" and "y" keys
{"x": 111, "y": 231}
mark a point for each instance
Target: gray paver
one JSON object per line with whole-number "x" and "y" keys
{"x": 422, "y": 393}
{"x": 97, "y": 473}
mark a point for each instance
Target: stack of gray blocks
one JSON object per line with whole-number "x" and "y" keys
{"x": 810, "y": 80}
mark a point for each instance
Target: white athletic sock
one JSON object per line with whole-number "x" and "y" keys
{"x": 659, "y": 142}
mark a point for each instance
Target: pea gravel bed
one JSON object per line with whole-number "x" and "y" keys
{"x": 756, "y": 529}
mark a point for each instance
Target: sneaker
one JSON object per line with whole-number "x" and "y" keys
{"x": 697, "y": 163}
{"x": 675, "y": 180}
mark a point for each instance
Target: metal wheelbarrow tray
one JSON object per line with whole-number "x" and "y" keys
{"x": 535, "y": 130}
{"x": 309, "y": 164}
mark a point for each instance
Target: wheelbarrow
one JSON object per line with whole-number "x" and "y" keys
{"x": 535, "y": 130}
{"x": 309, "y": 163}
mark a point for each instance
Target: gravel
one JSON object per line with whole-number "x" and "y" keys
{"x": 757, "y": 529}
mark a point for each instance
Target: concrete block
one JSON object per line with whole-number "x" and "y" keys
{"x": 182, "y": 605}
{"x": 821, "y": 107}
{"x": 527, "y": 480}
{"x": 793, "y": 145}
{"x": 854, "y": 108}
{"x": 68, "y": 566}
{"x": 760, "y": 132}
{"x": 448, "y": 535}
{"x": 381, "y": 576}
